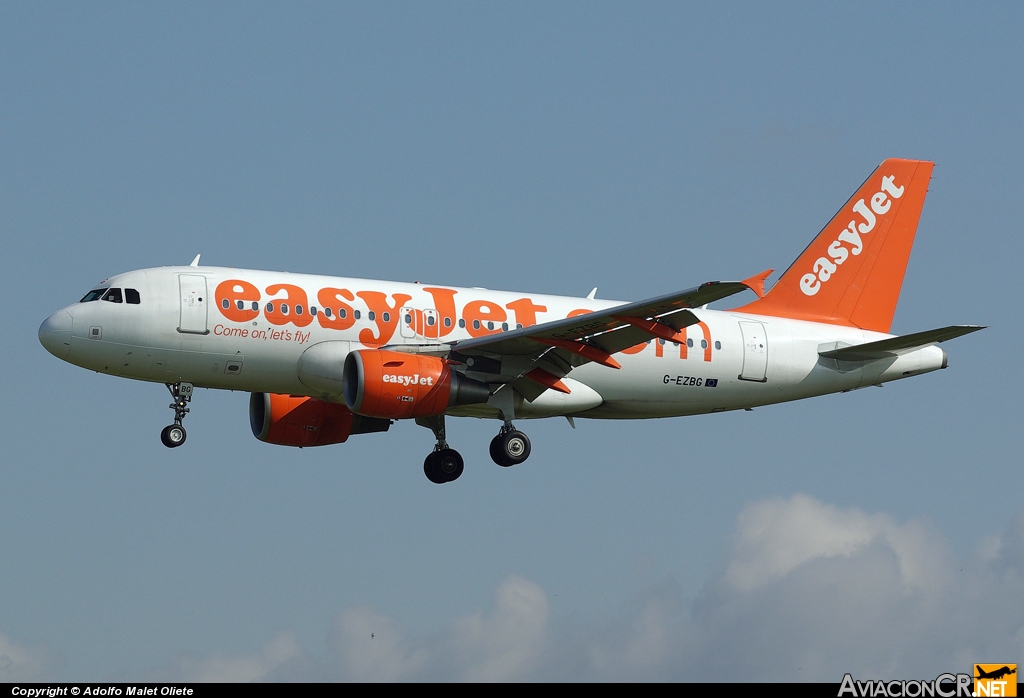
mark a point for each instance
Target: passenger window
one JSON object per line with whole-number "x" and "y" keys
{"x": 256, "y": 306}
{"x": 408, "y": 319}
{"x": 371, "y": 316}
{"x": 239, "y": 304}
{"x": 661, "y": 341}
{"x": 718, "y": 345}
{"x": 504, "y": 327}
{"x": 284, "y": 308}
{"x": 225, "y": 304}
{"x": 298, "y": 310}
{"x": 447, "y": 322}
{"x": 689, "y": 343}
{"x": 270, "y": 307}
{"x": 386, "y": 316}
{"x": 312, "y": 310}
{"x": 113, "y": 295}
{"x": 462, "y": 322}
{"x": 132, "y": 296}
{"x": 93, "y": 295}
{"x": 476, "y": 324}
{"x": 356, "y": 314}
{"x": 327, "y": 312}
{"x": 703, "y": 344}
{"x": 430, "y": 321}
{"x": 342, "y": 313}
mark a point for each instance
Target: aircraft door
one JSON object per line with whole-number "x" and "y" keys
{"x": 755, "y": 352}
{"x": 193, "y": 304}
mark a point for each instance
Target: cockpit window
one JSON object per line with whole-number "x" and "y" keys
{"x": 93, "y": 295}
{"x": 113, "y": 295}
{"x": 132, "y": 296}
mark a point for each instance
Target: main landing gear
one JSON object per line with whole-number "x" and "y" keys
{"x": 174, "y": 435}
{"x": 443, "y": 464}
{"x": 510, "y": 446}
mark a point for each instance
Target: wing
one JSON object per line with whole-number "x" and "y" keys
{"x": 534, "y": 359}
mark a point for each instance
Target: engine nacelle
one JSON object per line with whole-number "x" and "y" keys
{"x": 295, "y": 420}
{"x": 393, "y": 385}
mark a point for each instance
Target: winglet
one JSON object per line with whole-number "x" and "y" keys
{"x": 195, "y": 262}
{"x": 756, "y": 282}
{"x": 590, "y": 296}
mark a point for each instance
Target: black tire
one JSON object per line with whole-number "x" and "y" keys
{"x": 496, "y": 452}
{"x": 173, "y": 436}
{"x": 515, "y": 447}
{"x": 449, "y": 464}
{"x": 432, "y": 470}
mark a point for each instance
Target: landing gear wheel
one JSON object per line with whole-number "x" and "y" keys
{"x": 495, "y": 451}
{"x": 431, "y": 470}
{"x": 443, "y": 466}
{"x": 510, "y": 448}
{"x": 173, "y": 436}
{"x": 449, "y": 463}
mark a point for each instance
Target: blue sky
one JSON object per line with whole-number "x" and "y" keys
{"x": 538, "y": 147}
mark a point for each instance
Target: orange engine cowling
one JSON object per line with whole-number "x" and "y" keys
{"x": 296, "y": 420}
{"x": 393, "y": 385}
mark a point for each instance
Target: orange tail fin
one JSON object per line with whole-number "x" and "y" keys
{"x": 851, "y": 274}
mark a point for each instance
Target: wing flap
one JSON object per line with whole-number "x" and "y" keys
{"x": 670, "y": 309}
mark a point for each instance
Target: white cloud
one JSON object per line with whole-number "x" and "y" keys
{"x": 501, "y": 644}
{"x": 21, "y": 663}
{"x": 812, "y": 591}
{"x": 371, "y": 647}
{"x": 279, "y": 650}
{"x": 808, "y": 591}
{"x": 505, "y": 643}
{"x": 775, "y": 537}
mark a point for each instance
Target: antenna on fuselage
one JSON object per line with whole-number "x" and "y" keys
{"x": 195, "y": 262}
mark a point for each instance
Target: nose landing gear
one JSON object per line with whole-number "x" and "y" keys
{"x": 174, "y": 435}
{"x": 510, "y": 446}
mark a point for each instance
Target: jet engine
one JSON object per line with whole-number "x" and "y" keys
{"x": 393, "y": 385}
{"x": 296, "y": 420}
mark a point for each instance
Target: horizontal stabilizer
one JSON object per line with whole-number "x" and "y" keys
{"x": 895, "y": 346}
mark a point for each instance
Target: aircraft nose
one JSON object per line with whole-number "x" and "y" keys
{"x": 55, "y": 334}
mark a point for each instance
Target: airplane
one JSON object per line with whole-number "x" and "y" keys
{"x": 326, "y": 358}
{"x": 996, "y": 674}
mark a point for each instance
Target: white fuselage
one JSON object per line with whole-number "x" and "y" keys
{"x": 180, "y": 331}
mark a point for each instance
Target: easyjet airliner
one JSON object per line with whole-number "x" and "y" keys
{"x": 326, "y": 358}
